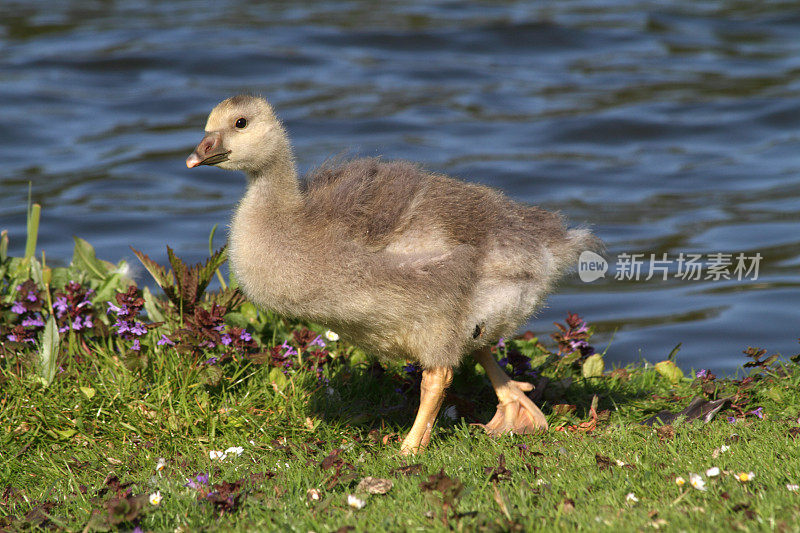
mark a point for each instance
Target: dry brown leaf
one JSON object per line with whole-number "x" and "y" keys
{"x": 408, "y": 470}
{"x": 666, "y": 432}
{"x": 374, "y": 485}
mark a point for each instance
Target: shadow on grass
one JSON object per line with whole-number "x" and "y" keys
{"x": 376, "y": 397}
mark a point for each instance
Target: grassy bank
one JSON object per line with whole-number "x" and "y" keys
{"x": 187, "y": 410}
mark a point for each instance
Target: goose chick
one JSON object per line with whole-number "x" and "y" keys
{"x": 400, "y": 261}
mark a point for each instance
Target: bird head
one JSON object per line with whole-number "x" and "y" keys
{"x": 242, "y": 133}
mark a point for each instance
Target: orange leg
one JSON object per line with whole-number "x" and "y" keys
{"x": 434, "y": 382}
{"x": 515, "y": 411}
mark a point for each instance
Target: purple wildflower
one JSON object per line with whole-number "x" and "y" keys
{"x": 35, "y": 321}
{"x": 226, "y": 339}
{"x": 501, "y": 343}
{"x": 20, "y": 334}
{"x": 61, "y": 306}
{"x": 731, "y": 419}
{"x": 702, "y": 373}
{"x": 165, "y": 340}
{"x": 122, "y": 326}
{"x": 138, "y": 529}
{"x": 289, "y": 349}
{"x": 582, "y": 329}
{"x": 78, "y": 325}
{"x": 198, "y": 482}
{"x": 317, "y": 342}
{"x": 758, "y": 412}
{"x": 246, "y": 337}
{"x": 31, "y": 297}
{"x": 138, "y": 329}
{"x": 18, "y": 308}
{"x": 136, "y": 346}
{"x": 114, "y": 309}
{"x": 212, "y": 361}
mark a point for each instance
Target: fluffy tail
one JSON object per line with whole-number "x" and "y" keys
{"x": 578, "y": 240}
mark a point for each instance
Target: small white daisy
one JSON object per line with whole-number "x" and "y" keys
{"x": 355, "y": 502}
{"x": 696, "y": 481}
{"x": 680, "y": 481}
{"x": 155, "y": 498}
{"x": 713, "y": 471}
{"x": 745, "y": 477}
{"x": 331, "y": 336}
{"x": 238, "y": 450}
{"x": 217, "y": 455}
{"x": 161, "y": 464}
{"x": 791, "y": 487}
{"x": 631, "y": 497}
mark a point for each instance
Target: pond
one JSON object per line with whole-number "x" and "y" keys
{"x": 669, "y": 127}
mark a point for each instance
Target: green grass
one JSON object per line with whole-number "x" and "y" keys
{"x": 81, "y": 452}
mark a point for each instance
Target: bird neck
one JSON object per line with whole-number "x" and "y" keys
{"x": 277, "y": 180}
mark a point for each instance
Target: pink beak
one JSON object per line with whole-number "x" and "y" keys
{"x": 209, "y": 152}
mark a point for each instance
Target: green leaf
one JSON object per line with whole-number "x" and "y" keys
{"x": 61, "y": 276}
{"x": 211, "y": 265}
{"x": 84, "y": 258}
{"x": 65, "y": 433}
{"x": 527, "y": 348}
{"x": 36, "y": 272}
{"x": 669, "y": 370}
{"x": 541, "y": 359}
{"x": 249, "y": 311}
{"x": 108, "y": 289}
{"x": 164, "y": 279}
{"x": 211, "y": 252}
{"x": 130, "y": 427}
{"x": 674, "y": 353}
{"x": 594, "y": 366}
{"x": 276, "y": 376}
{"x": 237, "y": 320}
{"x": 151, "y": 306}
{"x": 358, "y": 357}
{"x": 33, "y": 230}
{"x": 88, "y": 392}
{"x": 211, "y": 375}
{"x": 48, "y": 351}
{"x": 3, "y": 246}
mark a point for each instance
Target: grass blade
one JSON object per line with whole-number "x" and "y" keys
{"x": 33, "y": 230}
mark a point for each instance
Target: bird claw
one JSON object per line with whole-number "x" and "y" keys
{"x": 515, "y": 412}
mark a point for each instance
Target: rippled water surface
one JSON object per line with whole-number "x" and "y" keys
{"x": 668, "y": 126}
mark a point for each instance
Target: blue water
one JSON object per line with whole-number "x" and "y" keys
{"x": 668, "y": 126}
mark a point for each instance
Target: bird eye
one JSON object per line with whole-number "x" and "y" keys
{"x": 241, "y": 123}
